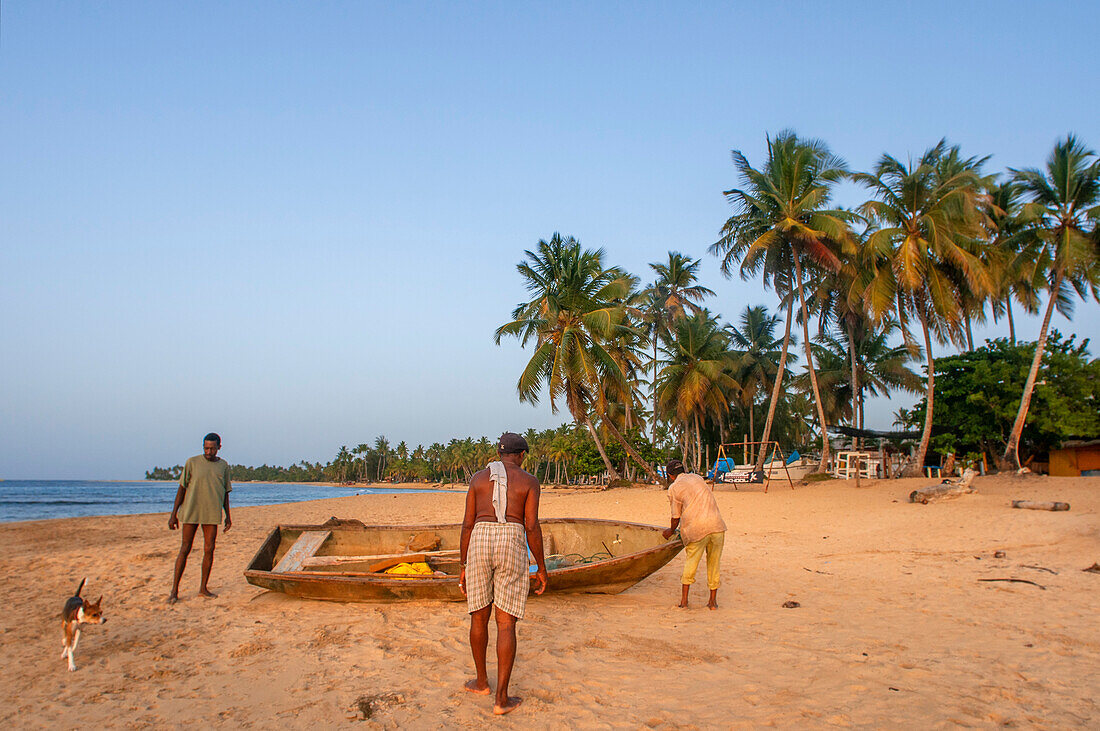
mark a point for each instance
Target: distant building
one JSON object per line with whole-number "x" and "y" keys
{"x": 1076, "y": 458}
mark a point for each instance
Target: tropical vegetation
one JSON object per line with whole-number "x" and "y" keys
{"x": 878, "y": 291}
{"x": 978, "y": 395}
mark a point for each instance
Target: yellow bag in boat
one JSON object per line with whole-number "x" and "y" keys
{"x": 409, "y": 570}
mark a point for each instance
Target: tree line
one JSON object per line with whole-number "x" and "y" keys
{"x": 563, "y": 455}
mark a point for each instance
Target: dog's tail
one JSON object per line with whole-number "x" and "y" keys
{"x": 81, "y": 587}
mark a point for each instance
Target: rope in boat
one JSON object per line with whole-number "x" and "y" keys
{"x": 575, "y": 559}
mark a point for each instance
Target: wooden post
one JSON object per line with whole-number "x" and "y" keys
{"x": 1030, "y": 505}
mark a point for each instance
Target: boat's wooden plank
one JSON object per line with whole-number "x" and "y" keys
{"x": 302, "y": 550}
{"x": 367, "y": 566}
{"x": 337, "y": 560}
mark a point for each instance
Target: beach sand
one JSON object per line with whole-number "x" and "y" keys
{"x": 894, "y": 628}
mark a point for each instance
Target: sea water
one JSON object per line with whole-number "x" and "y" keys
{"x": 43, "y": 499}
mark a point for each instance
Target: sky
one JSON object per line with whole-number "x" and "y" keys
{"x": 297, "y": 224}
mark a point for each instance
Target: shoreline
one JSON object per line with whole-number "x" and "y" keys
{"x": 895, "y": 627}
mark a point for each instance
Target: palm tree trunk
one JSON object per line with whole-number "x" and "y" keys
{"x": 969, "y": 334}
{"x": 917, "y": 468}
{"x": 1011, "y": 322}
{"x": 612, "y": 473}
{"x": 698, "y": 444}
{"x": 861, "y": 406}
{"x": 855, "y": 387}
{"x": 759, "y": 464}
{"x": 1012, "y": 449}
{"x": 653, "y": 431}
{"x": 823, "y": 465}
{"x": 752, "y": 426}
{"x": 630, "y": 450}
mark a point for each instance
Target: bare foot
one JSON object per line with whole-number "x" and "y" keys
{"x": 172, "y": 598}
{"x": 207, "y": 593}
{"x": 712, "y": 605}
{"x": 682, "y": 605}
{"x": 476, "y": 687}
{"x": 511, "y": 705}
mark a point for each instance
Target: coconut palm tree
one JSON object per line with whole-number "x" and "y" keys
{"x": 781, "y": 226}
{"x": 880, "y": 367}
{"x": 1013, "y": 259}
{"x": 695, "y": 379}
{"x": 919, "y": 262}
{"x": 382, "y": 447}
{"x": 676, "y": 279}
{"x": 617, "y": 402}
{"x": 362, "y": 450}
{"x": 756, "y": 352}
{"x": 575, "y": 311}
{"x": 1064, "y": 214}
{"x": 342, "y": 463}
{"x": 971, "y": 299}
{"x": 671, "y": 297}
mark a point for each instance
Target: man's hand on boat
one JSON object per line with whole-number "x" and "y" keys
{"x": 540, "y": 579}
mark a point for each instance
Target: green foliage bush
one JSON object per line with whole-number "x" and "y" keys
{"x": 978, "y": 394}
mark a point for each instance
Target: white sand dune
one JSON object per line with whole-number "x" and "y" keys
{"x": 894, "y": 630}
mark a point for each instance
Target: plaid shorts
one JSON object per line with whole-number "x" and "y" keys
{"x": 497, "y": 568}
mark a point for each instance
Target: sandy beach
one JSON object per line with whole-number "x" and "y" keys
{"x": 894, "y": 630}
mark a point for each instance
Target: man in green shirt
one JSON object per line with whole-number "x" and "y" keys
{"x": 203, "y": 494}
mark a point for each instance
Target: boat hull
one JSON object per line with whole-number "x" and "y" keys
{"x": 636, "y": 552}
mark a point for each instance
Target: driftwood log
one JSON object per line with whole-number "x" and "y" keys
{"x": 1018, "y": 581}
{"x": 946, "y": 490}
{"x": 1032, "y": 505}
{"x": 934, "y": 493}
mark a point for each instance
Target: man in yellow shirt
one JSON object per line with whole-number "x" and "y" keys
{"x": 695, "y": 513}
{"x": 202, "y": 495}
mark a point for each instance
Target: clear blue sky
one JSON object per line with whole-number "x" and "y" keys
{"x": 298, "y": 224}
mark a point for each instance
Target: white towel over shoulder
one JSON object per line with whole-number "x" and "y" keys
{"x": 498, "y": 475}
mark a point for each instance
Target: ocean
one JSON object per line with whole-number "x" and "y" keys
{"x": 43, "y": 499}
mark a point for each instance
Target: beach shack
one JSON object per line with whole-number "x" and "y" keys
{"x": 1076, "y": 458}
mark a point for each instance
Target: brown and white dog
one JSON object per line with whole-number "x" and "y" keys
{"x": 78, "y": 612}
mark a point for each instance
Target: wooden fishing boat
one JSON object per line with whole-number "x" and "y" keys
{"x": 344, "y": 560}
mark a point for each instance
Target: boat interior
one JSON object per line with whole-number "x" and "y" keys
{"x": 350, "y": 548}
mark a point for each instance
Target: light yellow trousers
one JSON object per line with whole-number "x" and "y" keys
{"x": 712, "y": 544}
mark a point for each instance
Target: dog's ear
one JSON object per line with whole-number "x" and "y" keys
{"x": 99, "y": 600}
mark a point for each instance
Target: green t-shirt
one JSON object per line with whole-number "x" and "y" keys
{"x": 206, "y": 484}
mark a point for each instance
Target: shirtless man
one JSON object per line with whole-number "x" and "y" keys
{"x": 502, "y": 519}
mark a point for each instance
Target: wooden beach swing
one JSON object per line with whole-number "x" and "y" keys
{"x": 751, "y": 476}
